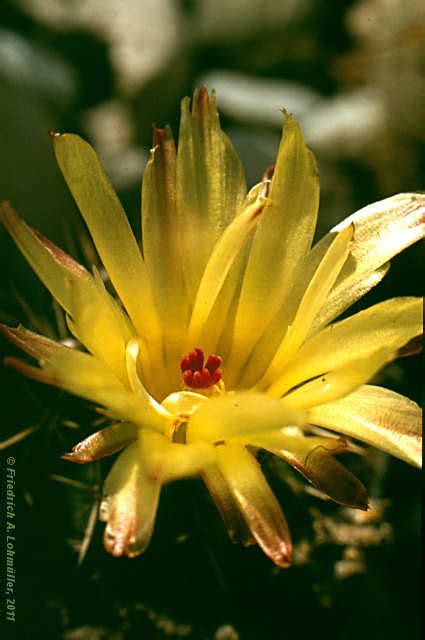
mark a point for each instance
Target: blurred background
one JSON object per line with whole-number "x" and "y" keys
{"x": 352, "y": 72}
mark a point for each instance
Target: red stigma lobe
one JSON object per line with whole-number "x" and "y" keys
{"x": 198, "y": 375}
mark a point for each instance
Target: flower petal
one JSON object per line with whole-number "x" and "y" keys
{"x": 236, "y": 526}
{"x": 382, "y": 230}
{"x": 162, "y": 244}
{"x": 378, "y": 416}
{"x": 312, "y": 300}
{"x": 166, "y": 461}
{"x": 267, "y": 346}
{"x": 133, "y": 359}
{"x": 99, "y": 323}
{"x": 52, "y": 265}
{"x": 337, "y": 383}
{"x": 103, "y": 443}
{"x": 235, "y": 415}
{"x": 110, "y": 229}
{"x": 96, "y": 319}
{"x": 256, "y": 502}
{"x": 220, "y": 262}
{"x": 313, "y": 458}
{"x": 210, "y": 184}
{"x": 283, "y": 237}
{"x": 129, "y": 505}
{"x": 387, "y": 325}
{"x": 85, "y": 376}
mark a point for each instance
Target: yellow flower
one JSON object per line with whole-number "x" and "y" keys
{"x": 232, "y": 274}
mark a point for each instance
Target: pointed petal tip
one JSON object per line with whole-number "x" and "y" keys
{"x": 116, "y": 545}
{"x": 36, "y": 345}
{"x": 54, "y": 134}
{"x": 203, "y": 96}
{"x": 161, "y": 134}
{"x": 286, "y": 114}
{"x": 5, "y": 209}
{"x": 157, "y": 133}
{"x": 75, "y": 457}
{"x": 361, "y": 501}
{"x": 6, "y": 331}
{"x": 8, "y": 216}
{"x": 121, "y": 536}
{"x": 411, "y": 348}
{"x": 202, "y": 101}
{"x": 282, "y": 557}
{"x": 122, "y": 542}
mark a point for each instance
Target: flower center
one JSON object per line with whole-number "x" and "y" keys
{"x": 198, "y": 375}
{"x": 181, "y": 404}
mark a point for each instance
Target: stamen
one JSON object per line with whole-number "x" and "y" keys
{"x": 198, "y": 376}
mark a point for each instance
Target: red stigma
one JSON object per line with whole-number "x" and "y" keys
{"x": 197, "y": 375}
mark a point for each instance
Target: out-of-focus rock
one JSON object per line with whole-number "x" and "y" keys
{"x": 221, "y": 20}
{"x": 346, "y": 124}
{"x": 390, "y": 57}
{"x": 142, "y": 34}
{"x": 89, "y": 632}
{"x": 259, "y": 100}
{"x": 26, "y": 64}
{"x": 111, "y": 129}
{"x": 226, "y": 632}
{"x": 343, "y": 125}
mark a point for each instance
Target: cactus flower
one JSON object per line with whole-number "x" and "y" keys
{"x": 222, "y": 337}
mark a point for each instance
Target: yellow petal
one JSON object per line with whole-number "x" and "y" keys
{"x": 210, "y": 184}
{"x": 166, "y": 461}
{"x": 220, "y": 262}
{"x": 111, "y": 231}
{"x": 382, "y": 230}
{"x": 85, "y": 376}
{"x": 96, "y": 319}
{"x": 256, "y": 502}
{"x": 103, "y": 443}
{"x": 269, "y": 342}
{"x": 133, "y": 359}
{"x": 313, "y": 458}
{"x": 266, "y": 347}
{"x": 226, "y": 504}
{"x": 235, "y": 415}
{"x": 129, "y": 505}
{"x": 378, "y": 416}
{"x": 216, "y": 333}
{"x": 282, "y": 239}
{"x": 313, "y": 299}
{"x": 100, "y": 324}
{"x": 387, "y": 325}
{"x": 337, "y": 383}
{"x": 162, "y": 245}
{"x": 53, "y": 266}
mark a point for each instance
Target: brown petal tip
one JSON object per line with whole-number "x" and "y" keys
{"x": 117, "y": 542}
{"x": 283, "y": 556}
{"x": 76, "y": 457}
